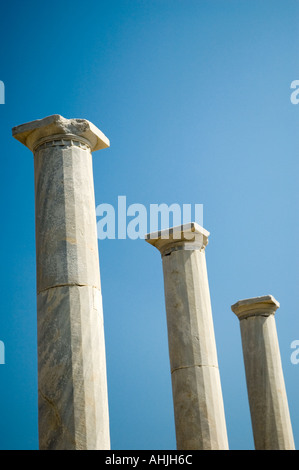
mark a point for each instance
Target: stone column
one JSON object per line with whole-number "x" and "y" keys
{"x": 269, "y": 409}
{"x": 197, "y": 395}
{"x": 72, "y": 384}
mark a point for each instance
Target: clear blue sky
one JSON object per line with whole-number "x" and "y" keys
{"x": 194, "y": 96}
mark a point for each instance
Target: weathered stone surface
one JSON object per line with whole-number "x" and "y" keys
{"x": 73, "y": 403}
{"x": 265, "y": 305}
{"x": 65, "y": 218}
{"x": 34, "y": 133}
{"x": 269, "y": 409}
{"x": 197, "y": 395}
{"x": 198, "y": 408}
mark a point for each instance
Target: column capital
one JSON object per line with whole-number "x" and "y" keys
{"x": 256, "y": 306}
{"x": 35, "y": 133}
{"x": 189, "y": 236}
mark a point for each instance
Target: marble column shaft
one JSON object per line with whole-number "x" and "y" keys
{"x": 267, "y": 396}
{"x": 197, "y": 395}
{"x": 72, "y": 383}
